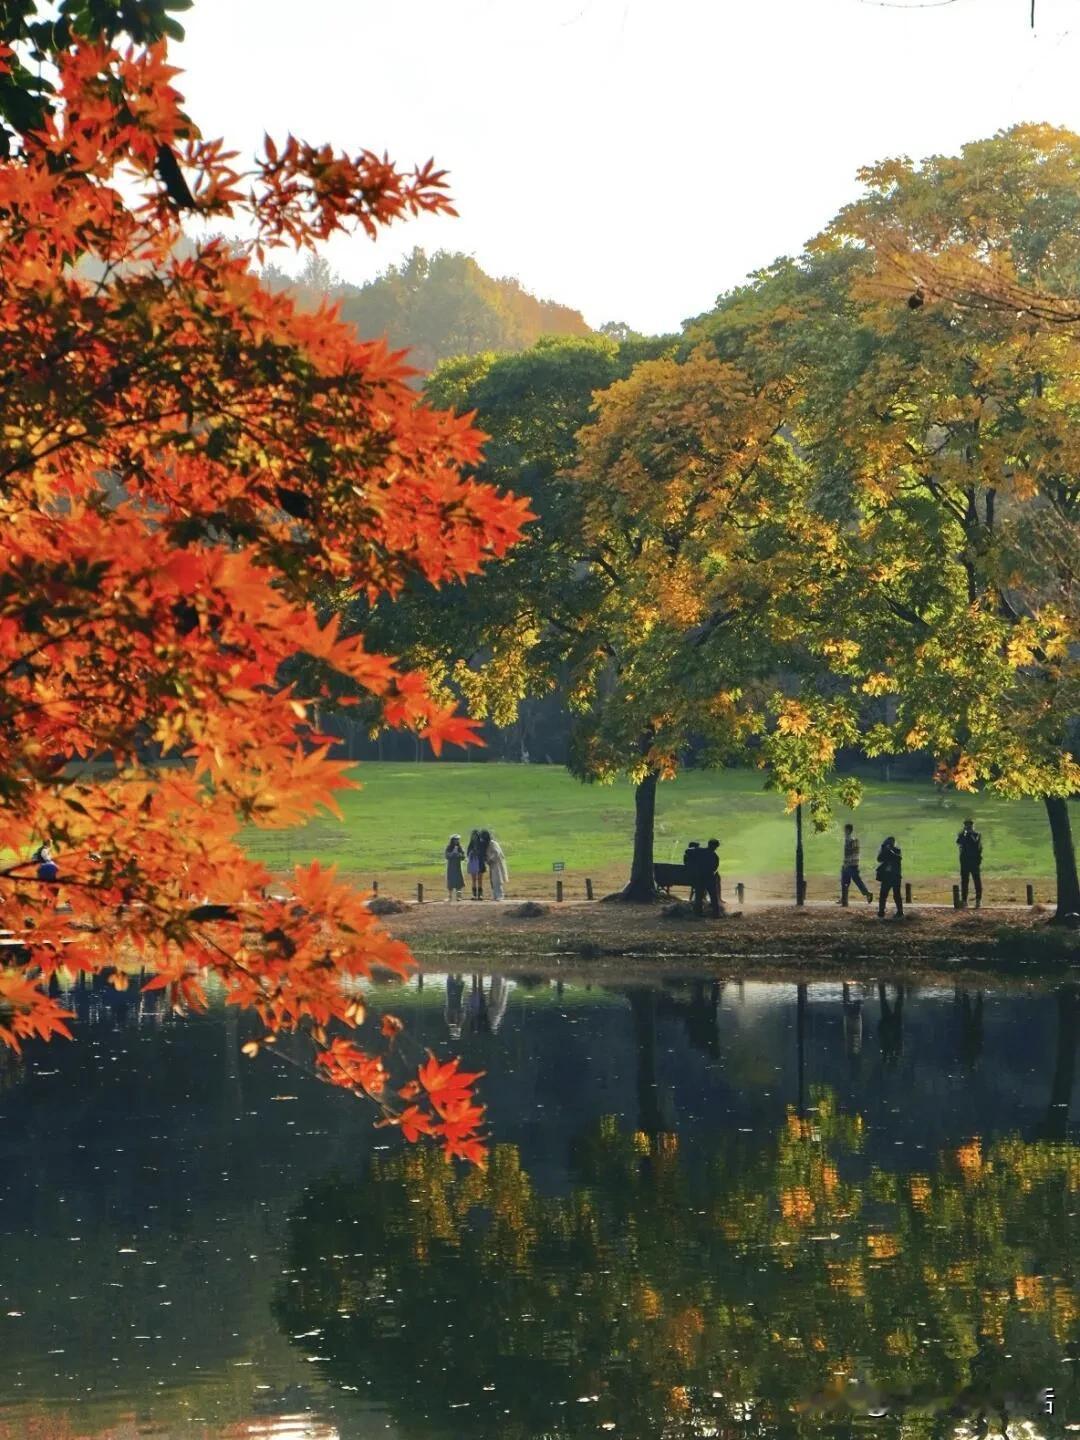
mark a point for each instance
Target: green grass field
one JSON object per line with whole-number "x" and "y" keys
{"x": 395, "y": 828}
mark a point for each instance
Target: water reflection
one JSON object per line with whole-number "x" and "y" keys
{"x": 792, "y": 1286}
{"x": 713, "y": 1208}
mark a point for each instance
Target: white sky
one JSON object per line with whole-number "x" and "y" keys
{"x": 632, "y": 158}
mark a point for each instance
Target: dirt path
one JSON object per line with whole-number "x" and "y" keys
{"x": 604, "y": 939}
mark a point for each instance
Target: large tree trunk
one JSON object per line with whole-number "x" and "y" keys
{"x": 1056, "y": 1125}
{"x": 643, "y": 1012}
{"x": 1068, "y": 884}
{"x": 642, "y": 885}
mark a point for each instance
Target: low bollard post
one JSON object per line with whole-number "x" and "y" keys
{"x": 558, "y": 891}
{"x": 419, "y": 892}
{"x": 375, "y": 886}
{"x": 907, "y": 892}
{"x": 588, "y": 889}
{"x": 740, "y": 892}
{"x": 844, "y": 898}
{"x": 956, "y": 897}
{"x": 1030, "y": 894}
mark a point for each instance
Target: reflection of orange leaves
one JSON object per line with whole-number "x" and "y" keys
{"x": 797, "y": 1128}
{"x": 683, "y": 1331}
{"x": 919, "y": 1190}
{"x": 1030, "y": 1291}
{"x": 847, "y": 1277}
{"x": 970, "y": 1159}
{"x": 797, "y": 1205}
{"x": 882, "y": 1247}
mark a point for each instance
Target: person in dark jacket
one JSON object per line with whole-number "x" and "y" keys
{"x": 708, "y": 880}
{"x": 690, "y": 858}
{"x": 476, "y": 863}
{"x": 969, "y": 842}
{"x": 888, "y": 875}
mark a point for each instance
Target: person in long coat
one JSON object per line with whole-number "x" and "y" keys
{"x": 498, "y": 870}
{"x": 455, "y": 880}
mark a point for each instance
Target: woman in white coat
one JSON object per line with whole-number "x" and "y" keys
{"x": 498, "y": 870}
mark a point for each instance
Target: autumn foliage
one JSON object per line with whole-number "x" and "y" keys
{"x": 188, "y": 466}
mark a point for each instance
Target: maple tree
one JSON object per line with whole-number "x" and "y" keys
{"x": 187, "y": 462}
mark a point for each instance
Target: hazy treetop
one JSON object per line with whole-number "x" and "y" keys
{"x": 438, "y": 306}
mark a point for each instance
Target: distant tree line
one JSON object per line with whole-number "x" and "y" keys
{"x": 436, "y": 306}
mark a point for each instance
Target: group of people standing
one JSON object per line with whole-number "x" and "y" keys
{"x": 889, "y": 872}
{"x": 482, "y": 856}
{"x": 702, "y": 863}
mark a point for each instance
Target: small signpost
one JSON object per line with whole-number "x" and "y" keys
{"x": 558, "y": 866}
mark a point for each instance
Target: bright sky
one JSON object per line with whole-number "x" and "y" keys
{"x": 632, "y": 158}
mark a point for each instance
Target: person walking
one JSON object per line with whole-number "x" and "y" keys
{"x": 849, "y": 869}
{"x": 708, "y": 880}
{"x": 969, "y": 842}
{"x": 889, "y": 869}
{"x": 455, "y": 880}
{"x": 498, "y": 870}
{"x": 476, "y": 863}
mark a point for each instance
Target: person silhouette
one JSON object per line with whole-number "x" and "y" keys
{"x": 969, "y": 843}
{"x": 889, "y": 865}
{"x": 708, "y": 880}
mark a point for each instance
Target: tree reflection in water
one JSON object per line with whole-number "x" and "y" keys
{"x": 788, "y": 1289}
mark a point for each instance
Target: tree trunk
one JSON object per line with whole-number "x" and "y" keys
{"x": 800, "y": 1044}
{"x": 643, "y": 1013}
{"x": 642, "y": 885}
{"x": 1068, "y": 884}
{"x": 1056, "y": 1125}
{"x": 800, "y": 870}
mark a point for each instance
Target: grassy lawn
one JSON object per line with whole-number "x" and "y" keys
{"x": 395, "y": 828}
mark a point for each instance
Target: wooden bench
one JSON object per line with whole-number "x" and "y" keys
{"x": 666, "y": 876}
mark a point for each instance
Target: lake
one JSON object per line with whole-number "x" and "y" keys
{"x": 711, "y": 1210}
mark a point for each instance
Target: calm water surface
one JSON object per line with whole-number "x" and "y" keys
{"x": 727, "y": 1210}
